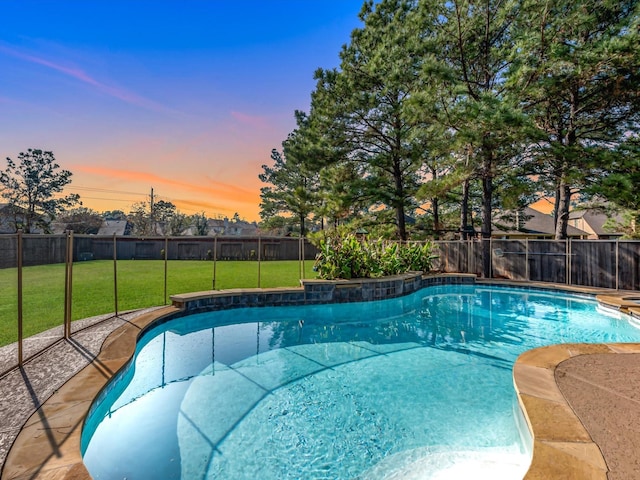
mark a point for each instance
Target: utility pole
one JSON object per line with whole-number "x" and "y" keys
{"x": 151, "y": 215}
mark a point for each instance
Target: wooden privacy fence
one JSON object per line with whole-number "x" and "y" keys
{"x": 47, "y": 249}
{"x": 611, "y": 264}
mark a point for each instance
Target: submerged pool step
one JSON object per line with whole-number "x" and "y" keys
{"x": 427, "y": 463}
{"x": 623, "y": 302}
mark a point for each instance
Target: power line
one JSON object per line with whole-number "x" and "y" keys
{"x": 132, "y": 201}
{"x": 108, "y": 199}
{"x": 104, "y": 190}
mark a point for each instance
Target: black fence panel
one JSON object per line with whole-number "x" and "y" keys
{"x": 8, "y": 251}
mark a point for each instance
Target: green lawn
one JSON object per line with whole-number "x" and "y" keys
{"x": 140, "y": 284}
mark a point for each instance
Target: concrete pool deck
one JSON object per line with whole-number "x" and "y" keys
{"x": 582, "y": 401}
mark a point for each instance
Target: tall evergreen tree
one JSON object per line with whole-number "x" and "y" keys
{"x": 341, "y": 191}
{"x": 467, "y": 55}
{"x": 291, "y": 183}
{"x": 577, "y": 73}
{"x": 441, "y": 98}
{"x": 363, "y": 107}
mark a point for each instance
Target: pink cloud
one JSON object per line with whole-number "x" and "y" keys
{"x": 119, "y": 93}
{"x": 10, "y": 101}
{"x": 251, "y": 120}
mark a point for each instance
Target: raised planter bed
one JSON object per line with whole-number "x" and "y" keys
{"x": 361, "y": 289}
{"x": 316, "y": 291}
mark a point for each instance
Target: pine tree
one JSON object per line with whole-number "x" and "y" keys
{"x": 578, "y": 71}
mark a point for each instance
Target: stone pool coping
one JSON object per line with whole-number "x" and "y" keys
{"x": 582, "y": 405}
{"x": 48, "y": 445}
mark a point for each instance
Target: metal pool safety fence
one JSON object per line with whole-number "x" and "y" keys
{"x": 121, "y": 273}
{"x": 46, "y": 281}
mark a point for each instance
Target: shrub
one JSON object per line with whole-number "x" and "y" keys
{"x": 419, "y": 256}
{"x": 346, "y": 257}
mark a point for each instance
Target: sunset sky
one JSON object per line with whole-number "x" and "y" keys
{"x": 185, "y": 97}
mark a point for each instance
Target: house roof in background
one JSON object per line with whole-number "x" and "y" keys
{"x": 596, "y": 220}
{"x": 113, "y": 227}
{"x": 530, "y": 221}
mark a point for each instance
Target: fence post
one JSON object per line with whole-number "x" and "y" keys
{"x": 526, "y": 259}
{"x": 215, "y": 259}
{"x": 68, "y": 284}
{"x": 19, "y": 262}
{"x": 568, "y": 259}
{"x": 70, "y": 275}
{"x": 300, "y": 258}
{"x": 445, "y": 265}
{"x": 302, "y": 250}
{"x": 259, "y": 259}
{"x": 490, "y": 257}
{"x": 617, "y": 263}
{"x": 166, "y": 252}
{"x": 115, "y": 276}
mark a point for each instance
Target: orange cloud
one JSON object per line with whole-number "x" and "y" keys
{"x": 119, "y": 93}
{"x": 199, "y": 205}
{"x": 214, "y": 189}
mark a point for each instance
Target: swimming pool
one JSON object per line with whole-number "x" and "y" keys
{"x": 415, "y": 387}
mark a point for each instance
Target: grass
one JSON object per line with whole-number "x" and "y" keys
{"x": 140, "y": 284}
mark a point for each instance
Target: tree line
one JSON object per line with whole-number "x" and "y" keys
{"x": 32, "y": 188}
{"x": 442, "y": 112}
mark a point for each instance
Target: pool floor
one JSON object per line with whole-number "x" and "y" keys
{"x": 434, "y": 377}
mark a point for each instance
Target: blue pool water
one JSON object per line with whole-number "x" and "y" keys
{"x": 415, "y": 387}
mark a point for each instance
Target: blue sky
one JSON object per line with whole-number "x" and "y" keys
{"x": 188, "y": 97}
